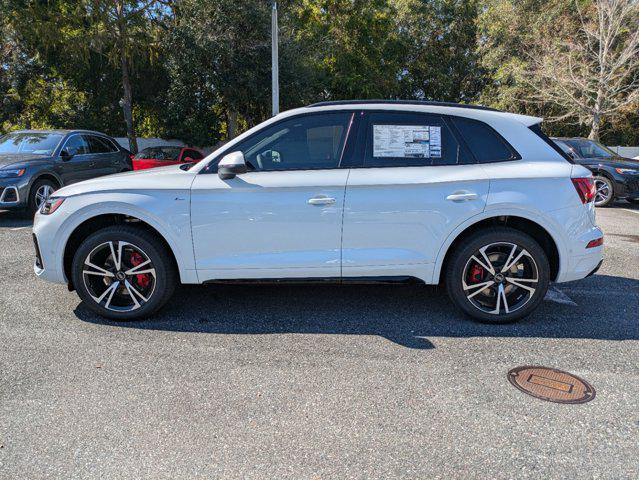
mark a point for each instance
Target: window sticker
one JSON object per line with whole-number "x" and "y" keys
{"x": 407, "y": 141}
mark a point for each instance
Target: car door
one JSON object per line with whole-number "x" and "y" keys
{"x": 284, "y": 217}
{"x": 78, "y": 165}
{"x": 106, "y": 158}
{"x": 415, "y": 182}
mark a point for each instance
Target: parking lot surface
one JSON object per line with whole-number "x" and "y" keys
{"x": 315, "y": 381}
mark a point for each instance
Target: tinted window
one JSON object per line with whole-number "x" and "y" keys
{"x": 36, "y": 143}
{"x": 396, "y": 139}
{"x": 194, "y": 154}
{"x": 487, "y": 146}
{"x": 589, "y": 148}
{"x": 77, "y": 145}
{"x": 98, "y": 145}
{"x": 301, "y": 143}
{"x": 159, "y": 153}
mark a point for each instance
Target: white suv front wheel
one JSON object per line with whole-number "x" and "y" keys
{"x": 498, "y": 275}
{"x": 123, "y": 272}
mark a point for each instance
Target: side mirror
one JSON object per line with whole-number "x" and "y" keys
{"x": 187, "y": 160}
{"x": 67, "y": 154}
{"x": 231, "y": 165}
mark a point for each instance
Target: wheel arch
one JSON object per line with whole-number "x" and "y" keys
{"x": 541, "y": 234}
{"x": 46, "y": 175}
{"x": 92, "y": 223}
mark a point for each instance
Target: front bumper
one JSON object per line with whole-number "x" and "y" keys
{"x": 14, "y": 193}
{"x": 627, "y": 186}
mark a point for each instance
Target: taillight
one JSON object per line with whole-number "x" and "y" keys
{"x": 585, "y": 188}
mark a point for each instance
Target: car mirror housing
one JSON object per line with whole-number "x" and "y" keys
{"x": 68, "y": 153}
{"x": 231, "y": 165}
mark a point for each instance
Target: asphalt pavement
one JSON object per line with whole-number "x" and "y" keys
{"x": 357, "y": 381}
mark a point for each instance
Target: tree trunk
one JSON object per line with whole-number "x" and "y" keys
{"x": 127, "y": 103}
{"x": 595, "y": 127}
{"x": 231, "y": 127}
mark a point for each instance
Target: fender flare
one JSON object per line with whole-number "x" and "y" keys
{"x": 553, "y": 230}
{"x": 184, "y": 257}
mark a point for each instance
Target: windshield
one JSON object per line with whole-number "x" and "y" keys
{"x": 159, "y": 153}
{"x": 589, "y": 148}
{"x": 35, "y": 143}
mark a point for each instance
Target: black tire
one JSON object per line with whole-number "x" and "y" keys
{"x": 605, "y": 182}
{"x": 32, "y": 203}
{"x": 151, "y": 246}
{"x": 498, "y": 238}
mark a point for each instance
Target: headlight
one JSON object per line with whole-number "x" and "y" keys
{"x": 15, "y": 172}
{"x": 627, "y": 171}
{"x": 50, "y": 205}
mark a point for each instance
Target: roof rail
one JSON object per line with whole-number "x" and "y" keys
{"x": 403, "y": 102}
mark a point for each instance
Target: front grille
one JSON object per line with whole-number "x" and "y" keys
{"x": 38, "y": 261}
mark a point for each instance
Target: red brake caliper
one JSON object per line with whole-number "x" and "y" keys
{"x": 141, "y": 279}
{"x": 476, "y": 274}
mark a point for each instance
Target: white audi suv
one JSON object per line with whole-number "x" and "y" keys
{"x": 473, "y": 198}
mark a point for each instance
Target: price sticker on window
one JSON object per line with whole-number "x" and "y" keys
{"x": 407, "y": 141}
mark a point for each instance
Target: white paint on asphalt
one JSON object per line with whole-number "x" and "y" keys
{"x": 632, "y": 211}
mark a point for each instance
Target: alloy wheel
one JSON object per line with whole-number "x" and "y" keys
{"x": 500, "y": 278}
{"x": 42, "y": 194}
{"x": 119, "y": 276}
{"x": 603, "y": 192}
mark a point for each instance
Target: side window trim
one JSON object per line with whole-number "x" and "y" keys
{"x": 211, "y": 167}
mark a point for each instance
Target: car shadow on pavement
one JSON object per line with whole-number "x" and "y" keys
{"x": 10, "y": 219}
{"x": 603, "y": 307}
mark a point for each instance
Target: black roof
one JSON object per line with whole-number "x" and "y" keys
{"x": 403, "y": 102}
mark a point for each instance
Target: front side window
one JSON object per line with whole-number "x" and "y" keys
{"x": 34, "y": 143}
{"x": 398, "y": 139}
{"x": 77, "y": 145}
{"x": 302, "y": 143}
{"x": 487, "y": 146}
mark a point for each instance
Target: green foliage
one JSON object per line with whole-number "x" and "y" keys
{"x": 198, "y": 69}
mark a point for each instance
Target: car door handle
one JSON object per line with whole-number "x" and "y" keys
{"x": 321, "y": 200}
{"x": 462, "y": 196}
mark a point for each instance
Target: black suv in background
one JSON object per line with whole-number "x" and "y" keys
{"x": 615, "y": 176}
{"x": 35, "y": 163}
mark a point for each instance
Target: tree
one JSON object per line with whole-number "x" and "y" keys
{"x": 592, "y": 74}
{"x": 119, "y": 33}
{"x": 439, "y": 49}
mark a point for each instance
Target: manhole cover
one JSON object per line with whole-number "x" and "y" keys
{"x": 551, "y": 384}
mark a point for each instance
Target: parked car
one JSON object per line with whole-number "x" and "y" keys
{"x": 615, "y": 176}
{"x": 34, "y": 163}
{"x": 152, "y": 157}
{"x": 479, "y": 200}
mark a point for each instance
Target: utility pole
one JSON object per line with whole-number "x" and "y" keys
{"x": 275, "y": 81}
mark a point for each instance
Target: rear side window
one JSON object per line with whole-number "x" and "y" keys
{"x": 486, "y": 145}
{"x": 537, "y": 130}
{"x": 399, "y": 139}
{"x": 99, "y": 145}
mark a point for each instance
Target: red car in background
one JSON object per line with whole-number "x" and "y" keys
{"x": 152, "y": 157}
